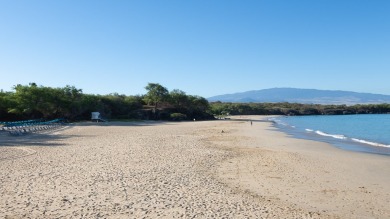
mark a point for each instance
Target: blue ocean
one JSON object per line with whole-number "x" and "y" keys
{"x": 368, "y": 133}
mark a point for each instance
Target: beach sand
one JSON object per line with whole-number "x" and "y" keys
{"x": 212, "y": 169}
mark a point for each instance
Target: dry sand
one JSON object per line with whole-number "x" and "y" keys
{"x": 186, "y": 170}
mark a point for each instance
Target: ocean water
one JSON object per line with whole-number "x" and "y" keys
{"x": 368, "y": 133}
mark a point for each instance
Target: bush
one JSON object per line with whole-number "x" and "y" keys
{"x": 178, "y": 116}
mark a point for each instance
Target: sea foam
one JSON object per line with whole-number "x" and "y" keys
{"x": 366, "y": 132}
{"x": 370, "y": 143}
{"x": 331, "y": 135}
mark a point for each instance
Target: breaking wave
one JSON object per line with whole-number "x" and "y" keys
{"x": 331, "y": 135}
{"x": 370, "y": 143}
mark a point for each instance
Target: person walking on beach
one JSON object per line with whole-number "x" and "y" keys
{"x": 251, "y": 122}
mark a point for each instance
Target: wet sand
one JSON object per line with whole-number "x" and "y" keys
{"x": 186, "y": 170}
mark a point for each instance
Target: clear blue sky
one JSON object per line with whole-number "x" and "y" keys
{"x": 202, "y": 47}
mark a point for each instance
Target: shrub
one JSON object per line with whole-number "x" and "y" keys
{"x": 178, "y": 116}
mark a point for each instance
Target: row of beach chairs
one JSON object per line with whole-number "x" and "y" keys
{"x": 18, "y": 123}
{"x": 30, "y": 126}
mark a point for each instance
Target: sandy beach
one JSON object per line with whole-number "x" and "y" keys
{"x": 211, "y": 169}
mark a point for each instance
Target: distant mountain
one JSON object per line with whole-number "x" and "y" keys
{"x": 295, "y": 95}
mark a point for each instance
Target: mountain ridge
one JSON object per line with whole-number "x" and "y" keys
{"x": 300, "y": 95}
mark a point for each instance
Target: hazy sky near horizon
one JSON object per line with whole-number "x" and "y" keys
{"x": 202, "y": 47}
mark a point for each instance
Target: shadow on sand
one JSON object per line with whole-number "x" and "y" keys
{"x": 48, "y": 139}
{"x": 51, "y": 139}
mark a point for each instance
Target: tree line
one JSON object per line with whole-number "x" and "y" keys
{"x": 291, "y": 109}
{"x": 33, "y": 102}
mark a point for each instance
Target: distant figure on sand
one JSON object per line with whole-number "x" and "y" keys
{"x": 251, "y": 122}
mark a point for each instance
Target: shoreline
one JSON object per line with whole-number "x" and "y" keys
{"x": 312, "y": 175}
{"x": 339, "y": 140}
{"x": 188, "y": 169}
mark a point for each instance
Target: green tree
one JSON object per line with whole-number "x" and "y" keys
{"x": 33, "y": 101}
{"x": 6, "y": 102}
{"x": 27, "y": 100}
{"x": 179, "y": 99}
{"x": 198, "y": 107}
{"x": 71, "y": 102}
{"x": 155, "y": 95}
